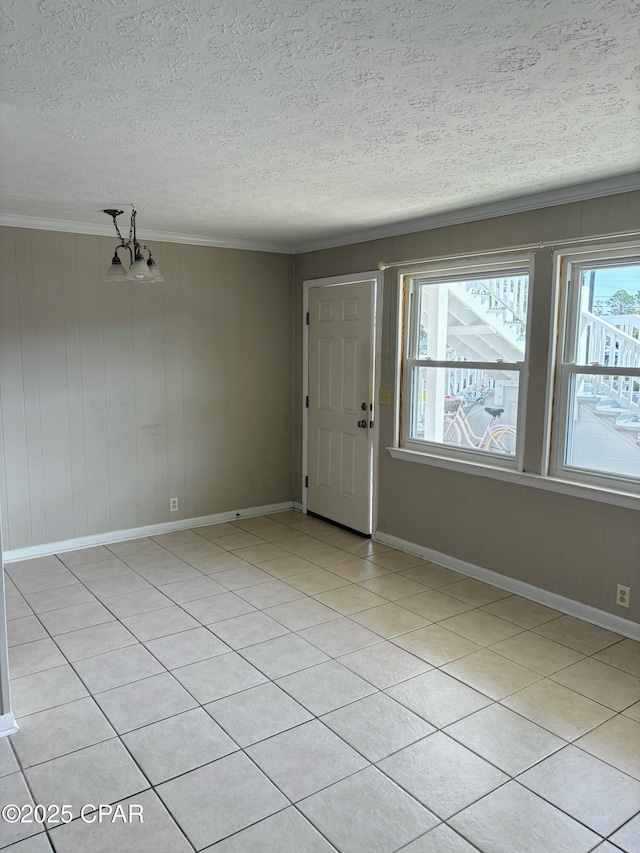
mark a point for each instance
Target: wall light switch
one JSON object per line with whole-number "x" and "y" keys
{"x": 385, "y": 396}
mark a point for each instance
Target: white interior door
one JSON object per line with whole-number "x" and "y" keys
{"x": 341, "y": 365}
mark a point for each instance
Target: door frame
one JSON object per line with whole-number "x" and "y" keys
{"x": 376, "y": 276}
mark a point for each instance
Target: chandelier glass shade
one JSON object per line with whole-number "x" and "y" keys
{"x": 140, "y": 268}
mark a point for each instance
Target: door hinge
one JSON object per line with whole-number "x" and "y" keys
{"x": 306, "y": 482}
{"x": 307, "y": 318}
{"x": 307, "y": 401}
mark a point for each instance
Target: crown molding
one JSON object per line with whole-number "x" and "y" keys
{"x": 67, "y": 226}
{"x": 520, "y": 204}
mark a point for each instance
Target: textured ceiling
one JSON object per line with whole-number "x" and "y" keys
{"x": 286, "y": 121}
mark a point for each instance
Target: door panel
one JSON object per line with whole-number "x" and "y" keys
{"x": 349, "y": 375}
{"x": 341, "y": 357}
{"x": 324, "y": 459}
{"x": 325, "y": 362}
{"x": 348, "y": 459}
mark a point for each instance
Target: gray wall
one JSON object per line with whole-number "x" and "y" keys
{"x": 116, "y": 397}
{"x": 570, "y": 546}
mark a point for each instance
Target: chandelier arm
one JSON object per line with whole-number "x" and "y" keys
{"x": 124, "y": 245}
{"x": 127, "y": 246}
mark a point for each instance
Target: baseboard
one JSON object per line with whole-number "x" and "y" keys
{"x": 138, "y": 532}
{"x": 8, "y": 725}
{"x": 601, "y": 618}
{"x": 297, "y": 505}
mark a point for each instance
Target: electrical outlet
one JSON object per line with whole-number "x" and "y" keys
{"x": 385, "y": 396}
{"x": 623, "y": 595}
{"x": 173, "y": 504}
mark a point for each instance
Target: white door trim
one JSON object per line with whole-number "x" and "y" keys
{"x": 376, "y": 276}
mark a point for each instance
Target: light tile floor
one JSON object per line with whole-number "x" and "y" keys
{"x": 279, "y": 685}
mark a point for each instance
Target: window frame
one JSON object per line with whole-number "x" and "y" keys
{"x": 438, "y": 273}
{"x": 571, "y": 263}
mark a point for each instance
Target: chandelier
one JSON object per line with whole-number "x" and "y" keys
{"x": 140, "y": 268}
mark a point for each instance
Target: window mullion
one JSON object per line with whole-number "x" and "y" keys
{"x": 602, "y": 369}
{"x": 517, "y": 366}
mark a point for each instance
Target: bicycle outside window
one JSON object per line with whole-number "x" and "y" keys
{"x": 464, "y": 364}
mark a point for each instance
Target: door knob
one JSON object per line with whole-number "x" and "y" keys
{"x": 362, "y": 424}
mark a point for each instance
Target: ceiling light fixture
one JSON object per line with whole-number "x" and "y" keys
{"x": 140, "y": 269}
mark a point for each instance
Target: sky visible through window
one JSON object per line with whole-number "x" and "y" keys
{"x": 610, "y": 281}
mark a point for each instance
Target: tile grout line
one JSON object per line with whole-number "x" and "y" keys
{"x": 238, "y": 651}
{"x": 331, "y": 657}
{"x": 117, "y": 736}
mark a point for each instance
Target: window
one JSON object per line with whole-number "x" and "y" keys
{"x": 464, "y": 381}
{"x": 465, "y": 360}
{"x": 598, "y": 375}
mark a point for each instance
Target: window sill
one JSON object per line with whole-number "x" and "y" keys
{"x": 550, "y": 484}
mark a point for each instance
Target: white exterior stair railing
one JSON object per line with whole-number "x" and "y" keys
{"x": 501, "y": 304}
{"x": 604, "y": 344}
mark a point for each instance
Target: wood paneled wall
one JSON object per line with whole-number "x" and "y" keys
{"x": 116, "y": 397}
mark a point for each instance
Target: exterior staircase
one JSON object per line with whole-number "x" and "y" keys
{"x": 487, "y": 321}
{"x": 612, "y": 341}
